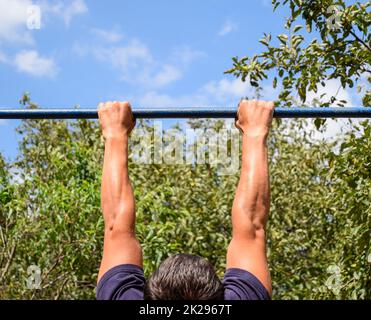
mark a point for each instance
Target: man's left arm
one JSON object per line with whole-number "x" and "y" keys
{"x": 117, "y": 199}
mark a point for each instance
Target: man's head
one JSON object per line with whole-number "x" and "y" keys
{"x": 184, "y": 277}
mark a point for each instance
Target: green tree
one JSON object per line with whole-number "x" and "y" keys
{"x": 335, "y": 45}
{"x": 50, "y": 217}
{"x": 319, "y": 228}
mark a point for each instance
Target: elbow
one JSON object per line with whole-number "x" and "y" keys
{"x": 249, "y": 231}
{"x": 118, "y": 230}
{"x": 249, "y": 223}
{"x": 119, "y": 223}
{"x": 259, "y": 224}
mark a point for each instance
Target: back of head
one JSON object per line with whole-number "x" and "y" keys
{"x": 184, "y": 277}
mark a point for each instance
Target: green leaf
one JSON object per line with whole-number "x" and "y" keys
{"x": 283, "y": 38}
{"x": 297, "y": 28}
{"x": 275, "y": 82}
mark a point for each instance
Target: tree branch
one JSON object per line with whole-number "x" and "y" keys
{"x": 359, "y": 39}
{"x": 10, "y": 259}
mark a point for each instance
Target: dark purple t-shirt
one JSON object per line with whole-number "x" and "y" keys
{"x": 126, "y": 282}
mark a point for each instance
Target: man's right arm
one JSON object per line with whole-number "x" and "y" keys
{"x": 247, "y": 249}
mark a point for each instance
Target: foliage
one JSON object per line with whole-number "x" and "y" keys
{"x": 319, "y": 226}
{"x": 335, "y": 46}
{"x": 320, "y": 217}
{"x": 50, "y": 213}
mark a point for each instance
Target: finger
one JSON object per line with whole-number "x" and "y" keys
{"x": 101, "y": 109}
{"x": 126, "y": 104}
{"x": 271, "y": 104}
{"x": 236, "y": 117}
{"x": 134, "y": 122}
{"x": 237, "y": 124}
{"x": 261, "y": 103}
{"x": 242, "y": 102}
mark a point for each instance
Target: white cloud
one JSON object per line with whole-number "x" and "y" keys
{"x": 64, "y": 9}
{"x": 13, "y": 19}
{"x": 333, "y": 127}
{"x": 14, "y": 15}
{"x": 3, "y": 57}
{"x": 125, "y": 57}
{"x": 112, "y": 35}
{"x": 266, "y": 3}
{"x": 332, "y": 88}
{"x": 218, "y": 93}
{"x": 224, "y": 90}
{"x": 154, "y": 99}
{"x": 134, "y": 61}
{"x": 186, "y": 55}
{"x": 30, "y": 62}
{"x": 136, "y": 64}
{"x": 227, "y": 27}
{"x": 166, "y": 75}
{"x": 74, "y": 8}
{"x": 80, "y": 50}
{"x": 129, "y": 59}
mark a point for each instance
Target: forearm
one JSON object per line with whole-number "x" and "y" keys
{"x": 251, "y": 204}
{"x": 117, "y": 194}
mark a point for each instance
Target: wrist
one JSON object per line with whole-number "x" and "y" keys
{"x": 116, "y": 137}
{"x": 255, "y": 138}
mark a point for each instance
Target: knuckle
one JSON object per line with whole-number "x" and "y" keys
{"x": 126, "y": 104}
{"x": 243, "y": 103}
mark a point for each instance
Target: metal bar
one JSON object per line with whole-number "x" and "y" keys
{"x": 187, "y": 112}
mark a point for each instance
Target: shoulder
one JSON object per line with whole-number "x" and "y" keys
{"x": 240, "y": 284}
{"x": 122, "y": 282}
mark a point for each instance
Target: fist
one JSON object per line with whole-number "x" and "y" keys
{"x": 254, "y": 117}
{"x": 116, "y": 118}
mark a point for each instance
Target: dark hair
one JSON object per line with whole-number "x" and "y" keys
{"x": 184, "y": 277}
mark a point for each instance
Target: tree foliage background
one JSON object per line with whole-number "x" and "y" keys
{"x": 318, "y": 234}
{"x": 319, "y": 226}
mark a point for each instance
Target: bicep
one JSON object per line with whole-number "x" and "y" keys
{"x": 120, "y": 248}
{"x": 249, "y": 253}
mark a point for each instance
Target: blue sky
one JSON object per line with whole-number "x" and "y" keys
{"x": 153, "y": 53}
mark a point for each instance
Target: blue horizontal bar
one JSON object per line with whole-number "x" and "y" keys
{"x": 187, "y": 112}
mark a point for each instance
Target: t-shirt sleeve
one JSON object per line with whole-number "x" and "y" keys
{"x": 123, "y": 282}
{"x": 240, "y": 284}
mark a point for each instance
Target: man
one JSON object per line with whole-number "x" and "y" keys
{"x": 183, "y": 276}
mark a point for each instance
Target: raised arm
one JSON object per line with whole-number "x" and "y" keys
{"x": 247, "y": 249}
{"x": 117, "y": 198}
